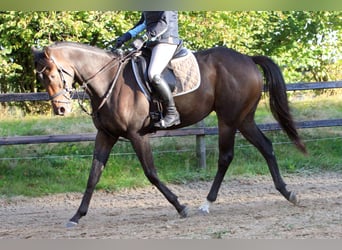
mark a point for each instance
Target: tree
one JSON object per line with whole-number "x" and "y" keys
{"x": 21, "y": 30}
{"x": 306, "y": 44}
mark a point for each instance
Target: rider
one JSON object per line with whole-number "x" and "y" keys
{"x": 162, "y": 31}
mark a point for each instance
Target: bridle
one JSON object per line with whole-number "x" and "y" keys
{"x": 84, "y": 83}
{"x": 66, "y": 91}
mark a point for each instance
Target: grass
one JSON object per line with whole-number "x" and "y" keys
{"x": 34, "y": 170}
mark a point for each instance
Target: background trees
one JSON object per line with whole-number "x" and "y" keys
{"x": 307, "y": 45}
{"x": 21, "y": 30}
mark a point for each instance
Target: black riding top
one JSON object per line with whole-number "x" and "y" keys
{"x": 161, "y": 26}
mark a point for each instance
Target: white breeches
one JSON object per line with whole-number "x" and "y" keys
{"x": 162, "y": 53}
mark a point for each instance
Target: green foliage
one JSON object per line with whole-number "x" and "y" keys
{"x": 306, "y": 44}
{"x": 19, "y": 31}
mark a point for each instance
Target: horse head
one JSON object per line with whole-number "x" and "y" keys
{"x": 55, "y": 78}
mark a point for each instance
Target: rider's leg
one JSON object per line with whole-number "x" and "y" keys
{"x": 161, "y": 55}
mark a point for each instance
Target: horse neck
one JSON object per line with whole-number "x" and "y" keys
{"x": 95, "y": 71}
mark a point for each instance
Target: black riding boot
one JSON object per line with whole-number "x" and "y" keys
{"x": 172, "y": 116}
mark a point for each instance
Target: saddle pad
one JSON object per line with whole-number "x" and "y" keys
{"x": 187, "y": 74}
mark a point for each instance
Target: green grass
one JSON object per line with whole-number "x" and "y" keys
{"x": 34, "y": 170}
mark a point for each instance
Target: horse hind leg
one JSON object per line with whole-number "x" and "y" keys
{"x": 226, "y": 154}
{"x": 254, "y": 135}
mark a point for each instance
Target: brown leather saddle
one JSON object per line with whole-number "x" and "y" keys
{"x": 140, "y": 62}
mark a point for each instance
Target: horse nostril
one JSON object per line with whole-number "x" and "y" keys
{"x": 61, "y": 111}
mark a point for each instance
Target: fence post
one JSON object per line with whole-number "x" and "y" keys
{"x": 200, "y": 148}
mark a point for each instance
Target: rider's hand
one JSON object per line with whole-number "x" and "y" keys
{"x": 121, "y": 40}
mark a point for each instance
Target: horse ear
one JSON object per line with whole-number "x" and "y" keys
{"x": 35, "y": 51}
{"x": 47, "y": 52}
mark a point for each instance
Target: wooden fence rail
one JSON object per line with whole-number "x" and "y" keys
{"x": 43, "y": 96}
{"x": 200, "y": 132}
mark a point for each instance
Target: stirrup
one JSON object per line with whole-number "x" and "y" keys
{"x": 161, "y": 123}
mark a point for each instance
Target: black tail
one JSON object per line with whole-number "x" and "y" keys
{"x": 279, "y": 105}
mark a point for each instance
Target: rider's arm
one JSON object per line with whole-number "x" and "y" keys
{"x": 137, "y": 29}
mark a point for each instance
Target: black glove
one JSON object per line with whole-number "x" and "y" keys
{"x": 121, "y": 40}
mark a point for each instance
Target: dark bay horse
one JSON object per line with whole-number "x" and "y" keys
{"x": 231, "y": 85}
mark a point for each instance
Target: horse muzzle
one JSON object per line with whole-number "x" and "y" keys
{"x": 61, "y": 107}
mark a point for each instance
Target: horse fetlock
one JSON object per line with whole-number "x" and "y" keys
{"x": 185, "y": 212}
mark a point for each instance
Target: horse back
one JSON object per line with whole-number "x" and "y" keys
{"x": 233, "y": 79}
{"x": 230, "y": 69}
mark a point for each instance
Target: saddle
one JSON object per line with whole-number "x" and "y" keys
{"x": 182, "y": 75}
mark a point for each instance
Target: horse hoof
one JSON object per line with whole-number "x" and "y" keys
{"x": 71, "y": 224}
{"x": 204, "y": 208}
{"x": 184, "y": 213}
{"x": 203, "y": 211}
{"x": 293, "y": 198}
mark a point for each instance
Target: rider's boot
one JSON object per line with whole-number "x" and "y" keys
{"x": 172, "y": 116}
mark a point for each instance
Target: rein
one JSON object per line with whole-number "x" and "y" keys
{"x": 110, "y": 90}
{"x": 122, "y": 61}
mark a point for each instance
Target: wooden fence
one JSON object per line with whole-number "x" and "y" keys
{"x": 200, "y": 131}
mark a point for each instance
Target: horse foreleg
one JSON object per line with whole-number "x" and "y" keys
{"x": 142, "y": 147}
{"x": 103, "y": 146}
{"x": 226, "y": 154}
{"x": 253, "y": 134}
